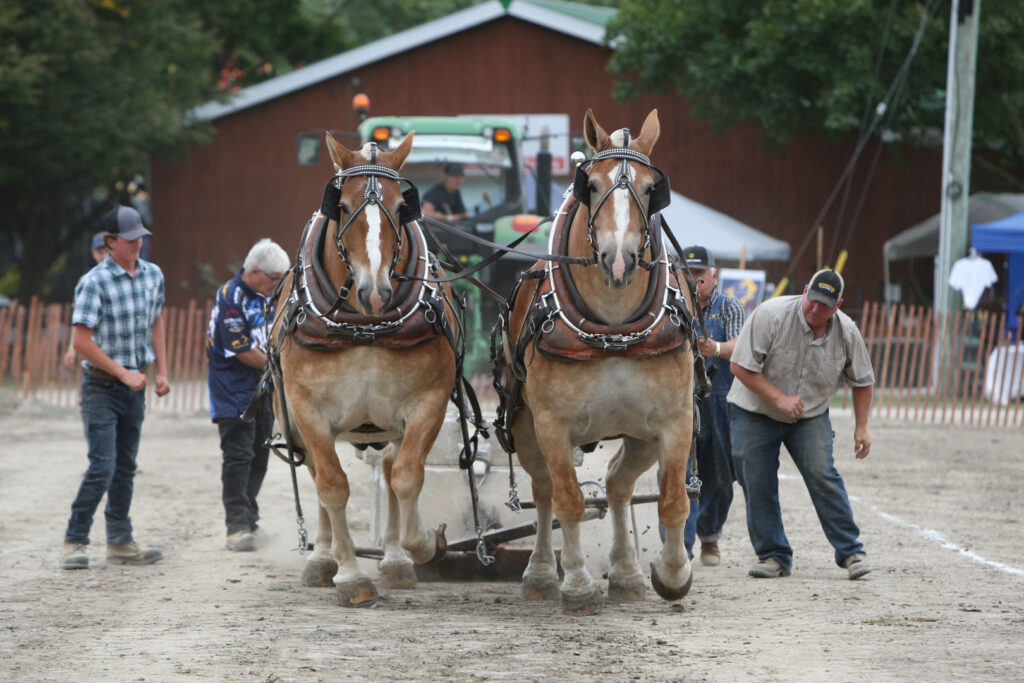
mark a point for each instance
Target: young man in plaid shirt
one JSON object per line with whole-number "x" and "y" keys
{"x": 118, "y": 330}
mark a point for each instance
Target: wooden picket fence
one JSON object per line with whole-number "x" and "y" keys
{"x": 33, "y": 340}
{"x": 962, "y": 367}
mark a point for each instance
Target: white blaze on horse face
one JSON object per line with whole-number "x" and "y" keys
{"x": 621, "y": 205}
{"x": 374, "y": 247}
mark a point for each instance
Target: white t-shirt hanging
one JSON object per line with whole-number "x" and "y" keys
{"x": 970, "y": 276}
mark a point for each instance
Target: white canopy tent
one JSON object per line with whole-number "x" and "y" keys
{"x": 726, "y": 237}
{"x": 922, "y": 240}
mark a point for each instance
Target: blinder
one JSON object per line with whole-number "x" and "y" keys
{"x": 410, "y": 210}
{"x": 331, "y": 198}
{"x": 660, "y": 197}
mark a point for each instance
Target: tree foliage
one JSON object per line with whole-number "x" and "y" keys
{"x": 91, "y": 89}
{"x": 821, "y": 66}
{"x": 87, "y": 91}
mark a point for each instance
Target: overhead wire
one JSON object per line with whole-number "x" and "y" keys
{"x": 883, "y": 44}
{"x": 881, "y": 109}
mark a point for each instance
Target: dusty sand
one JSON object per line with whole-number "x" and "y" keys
{"x": 939, "y": 508}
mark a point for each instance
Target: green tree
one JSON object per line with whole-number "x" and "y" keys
{"x": 91, "y": 89}
{"x": 88, "y": 90}
{"x": 821, "y": 66}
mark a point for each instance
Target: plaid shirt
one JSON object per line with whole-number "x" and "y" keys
{"x": 732, "y": 314}
{"x": 120, "y": 310}
{"x": 777, "y": 342}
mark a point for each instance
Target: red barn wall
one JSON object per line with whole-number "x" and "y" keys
{"x": 211, "y": 206}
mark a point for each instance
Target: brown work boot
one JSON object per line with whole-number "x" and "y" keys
{"x": 131, "y": 553}
{"x": 74, "y": 556}
{"x": 857, "y": 565}
{"x": 710, "y": 556}
{"x": 242, "y": 541}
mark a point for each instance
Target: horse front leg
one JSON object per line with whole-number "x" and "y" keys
{"x": 396, "y": 569}
{"x": 406, "y": 481}
{"x": 540, "y": 580}
{"x": 625, "y": 578}
{"x": 320, "y": 567}
{"x": 580, "y": 594}
{"x": 353, "y": 585}
{"x": 672, "y": 573}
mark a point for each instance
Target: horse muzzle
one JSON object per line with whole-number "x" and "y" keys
{"x": 374, "y": 298}
{"x": 617, "y": 267}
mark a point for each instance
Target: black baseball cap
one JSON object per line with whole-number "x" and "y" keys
{"x": 698, "y": 257}
{"x": 826, "y": 287}
{"x": 125, "y": 222}
{"x": 453, "y": 169}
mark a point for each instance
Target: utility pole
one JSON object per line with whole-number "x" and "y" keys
{"x": 956, "y": 177}
{"x": 956, "y": 149}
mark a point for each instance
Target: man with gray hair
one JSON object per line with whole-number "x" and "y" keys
{"x": 236, "y": 347}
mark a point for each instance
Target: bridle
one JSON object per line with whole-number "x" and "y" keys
{"x": 373, "y": 195}
{"x": 659, "y": 198}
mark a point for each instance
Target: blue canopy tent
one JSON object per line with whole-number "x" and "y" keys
{"x": 1005, "y": 236}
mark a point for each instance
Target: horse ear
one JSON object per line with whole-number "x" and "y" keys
{"x": 337, "y": 151}
{"x": 593, "y": 133}
{"x": 399, "y": 154}
{"x": 649, "y": 133}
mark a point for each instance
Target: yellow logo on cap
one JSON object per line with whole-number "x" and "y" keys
{"x": 827, "y": 286}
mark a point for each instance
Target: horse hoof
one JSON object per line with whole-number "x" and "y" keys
{"x": 397, "y": 575}
{"x": 629, "y": 589}
{"x": 358, "y": 593}
{"x": 539, "y": 589}
{"x": 319, "y": 573}
{"x": 667, "y": 592}
{"x": 583, "y": 604}
{"x": 440, "y": 545}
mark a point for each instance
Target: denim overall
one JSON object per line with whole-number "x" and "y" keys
{"x": 714, "y": 448}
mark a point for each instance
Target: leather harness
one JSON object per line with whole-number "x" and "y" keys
{"x": 560, "y": 326}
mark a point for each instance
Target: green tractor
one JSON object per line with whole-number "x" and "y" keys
{"x": 488, "y": 151}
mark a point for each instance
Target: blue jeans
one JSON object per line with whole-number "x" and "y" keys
{"x": 755, "y": 450}
{"x": 243, "y": 467}
{"x": 112, "y": 416}
{"x": 715, "y": 469}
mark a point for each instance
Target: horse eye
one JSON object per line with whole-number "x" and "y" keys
{"x": 344, "y": 208}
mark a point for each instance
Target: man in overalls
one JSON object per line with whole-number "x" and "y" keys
{"x": 723, "y": 320}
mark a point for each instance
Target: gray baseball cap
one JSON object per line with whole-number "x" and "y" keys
{"x": 827, "y": 287}
{"x": 125, "y": 222}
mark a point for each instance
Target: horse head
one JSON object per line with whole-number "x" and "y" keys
{"x": 368, "y": 234}
{"x": 621, "y": 190}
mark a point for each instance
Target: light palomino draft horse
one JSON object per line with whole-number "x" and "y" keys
{"x": 368, "y": 356}
{"x": 597, "y": 347}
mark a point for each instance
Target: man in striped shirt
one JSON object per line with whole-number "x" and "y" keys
{"x": 236, "y": 344}
{"x": 118, "y": 330}
{"x": 790, "y": 359}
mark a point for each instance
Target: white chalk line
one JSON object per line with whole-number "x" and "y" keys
{"x": 932, "y": 535}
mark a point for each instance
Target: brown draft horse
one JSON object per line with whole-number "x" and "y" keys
{"x": 575, "y": 394}
{"x": 376, "y": 367}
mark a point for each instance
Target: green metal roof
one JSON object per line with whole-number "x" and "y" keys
{"x": 439, "y": 125}
{"x": 599, "y": 16}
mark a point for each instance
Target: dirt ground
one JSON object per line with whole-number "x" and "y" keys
{"x": 939, "y": 508}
